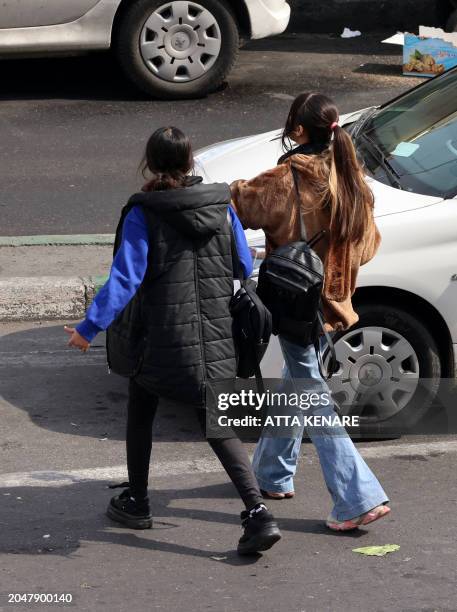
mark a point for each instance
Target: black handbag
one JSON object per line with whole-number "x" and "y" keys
{"x": 251, "y": 323}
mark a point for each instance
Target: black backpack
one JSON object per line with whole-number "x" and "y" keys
{"x": 251, "y": 323}
{"x": 291, "y": 281}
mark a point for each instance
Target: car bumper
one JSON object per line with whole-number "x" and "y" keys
{"x": 268, "y": 17}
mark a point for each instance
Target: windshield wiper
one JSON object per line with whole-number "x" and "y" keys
{"x": 355, "y": 129}
{"x": 379, "y": 155}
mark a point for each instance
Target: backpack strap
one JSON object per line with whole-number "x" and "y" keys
{"x": 333, "y": 363}
{"x": 258, "y": 375}
{"x": 303, "y": 234}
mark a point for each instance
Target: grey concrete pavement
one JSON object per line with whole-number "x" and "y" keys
{"x": 45, "y": 297}
{"x": 61, "y": 412}
{"x": 71, "y": 261}
{"x": 50, "y": 282}
{"x": 73, "y": 131}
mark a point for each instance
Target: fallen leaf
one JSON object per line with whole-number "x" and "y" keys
{"x": 377, "y": 551}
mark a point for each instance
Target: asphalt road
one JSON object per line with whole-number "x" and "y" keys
{"x": 72, "y": 131}
{"x": 62, "y": 441}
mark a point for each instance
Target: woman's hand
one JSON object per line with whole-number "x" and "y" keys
{"x": 76, "y": 340}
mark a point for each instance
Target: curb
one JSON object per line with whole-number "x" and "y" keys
{"x": 57, "y": 240}
{"x": 47, "y": 297}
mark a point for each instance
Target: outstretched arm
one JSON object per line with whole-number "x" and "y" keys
{"x": 127, "y": 273}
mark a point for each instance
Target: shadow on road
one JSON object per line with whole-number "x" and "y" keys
{"x": 74, "y": 514}
{"x": 98, "y": 76}
{"x": 65, "y": 391}
{"x": 381, "y": 69}
{"x": 91, "y": 77}
{"x": 367, "y": 44}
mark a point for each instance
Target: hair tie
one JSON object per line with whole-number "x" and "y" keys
{"x": 334, "y": 125}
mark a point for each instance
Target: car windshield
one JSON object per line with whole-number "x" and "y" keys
{"x": 411, "y": 143}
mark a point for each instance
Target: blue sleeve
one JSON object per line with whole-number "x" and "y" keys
{"x": 127, "y": 273}
{"x": 242, "y": 247}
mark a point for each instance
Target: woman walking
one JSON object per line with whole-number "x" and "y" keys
{"x": 173, "y": 268}
{"x": 334, "y": 197}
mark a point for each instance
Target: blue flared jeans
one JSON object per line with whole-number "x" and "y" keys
{"x": 352, "y": 485}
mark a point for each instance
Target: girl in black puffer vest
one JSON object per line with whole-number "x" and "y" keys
{"x": 166, "y": 307}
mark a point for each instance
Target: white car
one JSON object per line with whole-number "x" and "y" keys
{"x": 176, "y": 49}
{"x": 391, "y": 363}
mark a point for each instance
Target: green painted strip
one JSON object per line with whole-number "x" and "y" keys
{"x": 99, "y": 281}
{"x": 57, "y": 240}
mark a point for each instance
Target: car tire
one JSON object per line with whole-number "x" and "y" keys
{"x": 406, "y": 330}
{"x": 155, "y": 78}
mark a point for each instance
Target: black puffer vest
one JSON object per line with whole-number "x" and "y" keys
{"x": 183, "y": 302}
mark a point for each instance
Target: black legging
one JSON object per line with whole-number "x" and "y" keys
{"x": 142, "y": 408}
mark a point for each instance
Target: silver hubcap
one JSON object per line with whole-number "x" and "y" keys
{"x": 378, "y": 372}
{"x": 180, "y": 41}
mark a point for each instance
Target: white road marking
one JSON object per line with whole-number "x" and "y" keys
{"x": 409, "y": 449}
{"x": 208, "y": 465}
{"x": 50, "y": 478}
{"x": 51, "y": 359}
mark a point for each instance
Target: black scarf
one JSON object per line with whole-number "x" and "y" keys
{"x": 304, "y": 149}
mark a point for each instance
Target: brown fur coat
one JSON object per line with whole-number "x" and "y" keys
{"x": 268, "y": 202}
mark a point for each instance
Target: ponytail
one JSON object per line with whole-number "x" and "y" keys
{"x": 158, "y": 181}
{"x": 350, "y": 198}
{"x": 347, "y": 194}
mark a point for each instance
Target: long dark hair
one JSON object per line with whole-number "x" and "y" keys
{"x": 347, "y": 194}
{"x": 167, "y": 160}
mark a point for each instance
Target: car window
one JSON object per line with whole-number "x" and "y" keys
{"x": 417, "y": 134}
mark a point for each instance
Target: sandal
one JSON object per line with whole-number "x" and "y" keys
{"x": 364, "y": 519}
{"x": 272, "y": 495}
{"x": 375, "y": 514}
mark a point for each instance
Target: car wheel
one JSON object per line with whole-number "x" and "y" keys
{"x": 180, "y": 49}
{"x": 389, "y": 370}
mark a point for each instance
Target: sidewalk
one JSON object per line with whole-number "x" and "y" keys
{"x": 42, "y": 278}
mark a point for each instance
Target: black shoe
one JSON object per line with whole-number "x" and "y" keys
{"x": 261, "y": 530}
{"x": 132, "y": 513}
